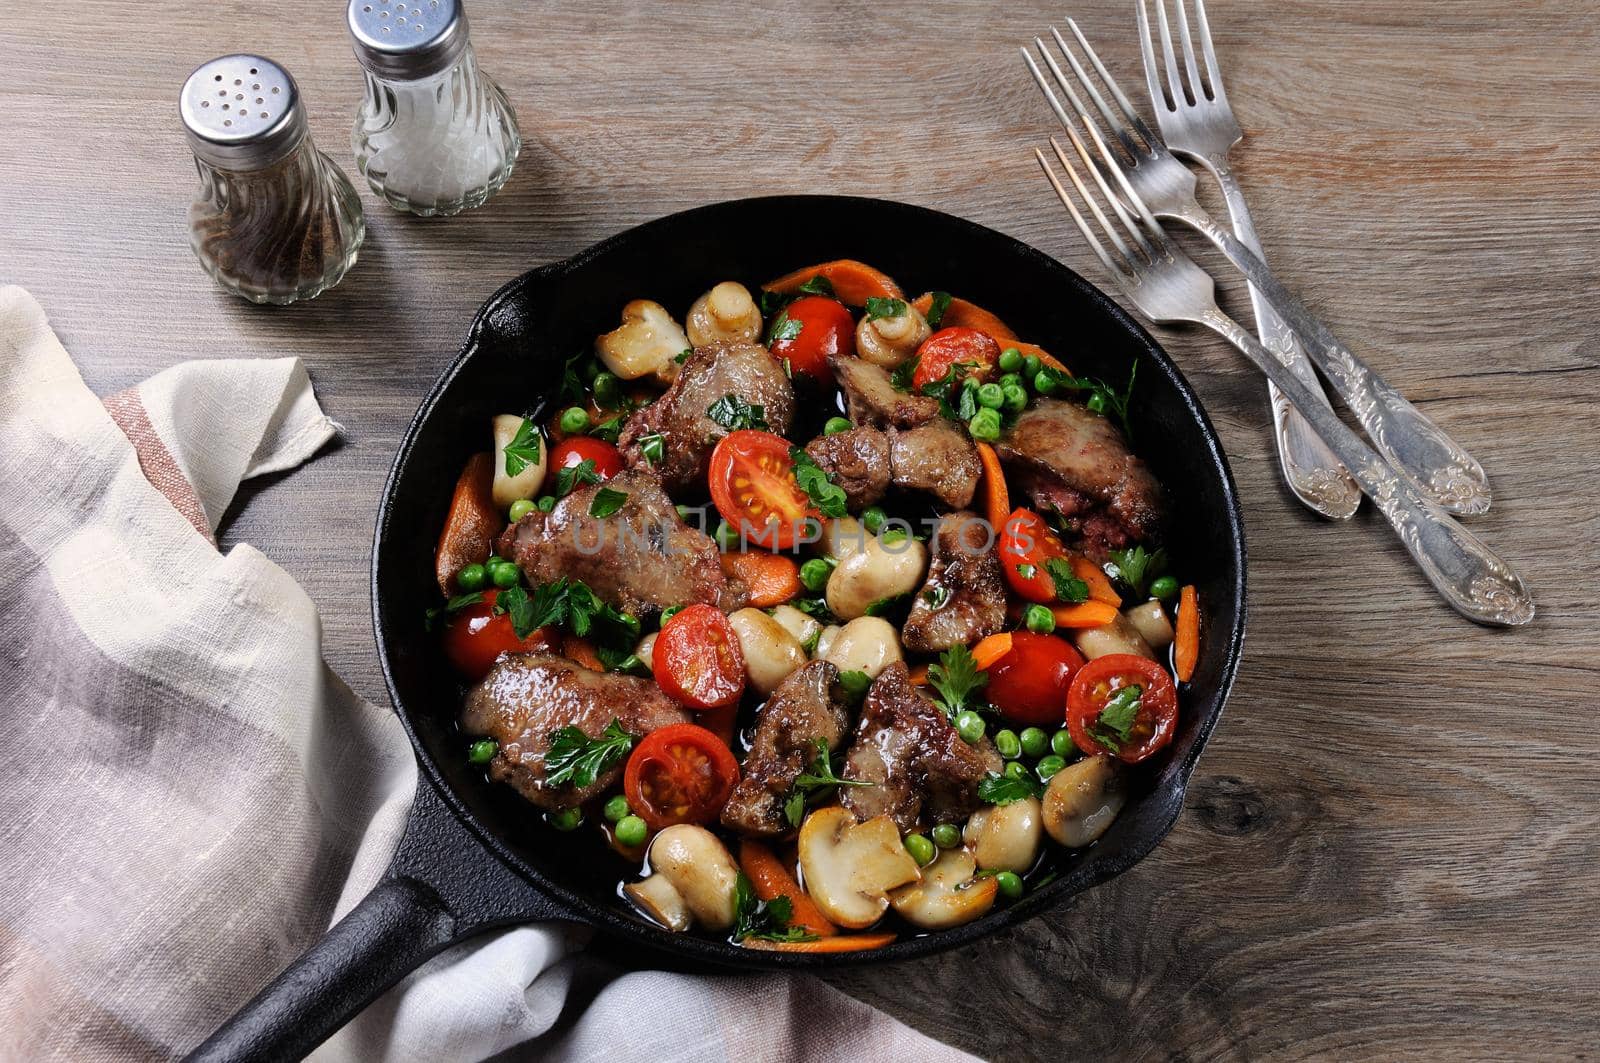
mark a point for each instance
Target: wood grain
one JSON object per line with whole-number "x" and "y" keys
{"x": 1390, "y": 849}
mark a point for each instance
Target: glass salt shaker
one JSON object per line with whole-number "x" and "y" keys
{"x": 434, "y": 135}
{"x": 274, "y": 220}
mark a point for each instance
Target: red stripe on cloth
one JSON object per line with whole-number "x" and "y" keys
{"x": 155, "y": 461}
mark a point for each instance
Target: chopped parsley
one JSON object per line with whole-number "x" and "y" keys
{"x": 936, "y": 597}
{"x": 523, "y": 450}
{"x": 957, "y": 678}
{"x": 733, "y": 413}
{"x": 577, "y": 759}
{"x": 783, "y": 328}
{"x": 573, "y": 475}
{"x": 997, "y": 789}
{"x": 608, "y": 430}
{"x": 1069, "y": 588}
{"x": 653, "y": 447}
{"x": 817, "y": 780}
{"x": 572, "y": 386}
{"x": 606, "y": 502}
{"x": 765, "y": 920}
{"x": 460, "y": 601}
{"x": 683, "y": 355}
{"x": 570, "y": 603}
{"x": 957, "y": 400}
{"x": 886, "y": 605}
{"x": 901, "y": 377}
{"x": 935, "y": 314}
{"x": 1114, "y": 726}
{"x": 818, "y": 285}
{"x": 815, "y": 607}
{"x": 878, "y": 307}
{"x": 1102, "y": 398}
{"x": 1026, "y": 571}
{"x": 1136, "y": 567}
{"x": 516, "y": 602}
{"x": 827, "y": 496}
{"x": 855, "y": 684}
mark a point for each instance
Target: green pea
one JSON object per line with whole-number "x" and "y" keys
{"x": 685, "y": 512}
{"x": 1007, "y": 742}
{"x": 947, "y": 835}
{"x": 969, "y": 725}
{"x": 1031, "y": 365}
{"x": 1039, "y": 619}
{"x": 920, "y": 848}
{"x": 814, "y": 574}
{"x": 727, "y": 536}
{"x": 631, "y": 831}
{"x": 1010, "y": 380}
{"x": 521, "y": 508}
{"x": 1035, "y": 743}
{"x": 892, "y": 536}
{"x": 492, "y": 560}
{"x": 1016, "y": 398}
{"x": 1010, "y": 360}
{"x": 566, "y": 819}
{"x": 504, "y": 575}
{"x": 1010, "y": 884}
{"x": 1162, "y": 587}
{"x": 482, "y": 751}
{"x": 616, "y": 808}
{"x": 1096, "y": 403}
{"x": 547, "y": 503}
{"x": 1047, "y": 767}
{"x": 669, "y": 612}
{"x": 872, "y": 518}
{"x": 1044, "y": 383}
{"x": 1016, "y": 770}
{"x": 992, "y": 396}
{"x": 1062, "y": 745}
{"x": 985, "y": 425}
{"x": 835, "y": 425}
{"x": 607, "y": 391}
{"x": 472, "y": 578}
{"x": 574, "y": 419}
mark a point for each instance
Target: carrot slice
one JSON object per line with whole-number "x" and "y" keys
{"x": 772, "y": 579}
{"x": 582, "y": 651}
{"x": 1100, "y": 589}
{"x": 996, "y": 497}
{"x": 1085, "y": 614}
{"x": 853, "y": 282}
{"x": 991, "y": 648}
{"x": 964, "y": 314}
{"x": 837, "y": 943}
{"x": 1186, "y": 647}
{"x": 472, "y": 525}
{"x": 770, "y": 879}
{"x": 919, "y": 675}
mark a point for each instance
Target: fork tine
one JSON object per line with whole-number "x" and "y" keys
{"x": 1077, "y": 103}
{"x": 1044, "y": 85}
{"x": 1130, "y": 116}
{"x": 1213, "y": 68}
{"x": 1152, "y": 73}
{"x": 1191, "y": 66}
{"x": 1105, "y": 190}
{"x": 1121, "y": 270}
{"x": 1175, "y": 91}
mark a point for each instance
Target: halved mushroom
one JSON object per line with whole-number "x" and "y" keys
{"x": 725, "y": 314}
{"x": 690, "y": 864}
{"x": 1150, "y": 620}
{"x": 646, "y": 650}
{"x": 525, "y": 484}
{"x": 1082, "y": 800}
{"x": 1119, "y": 636}
{"x": 804, "y": 628}
{"x": 866, "y": 644}
{"x": 875, "y": 574}
{"x": 770, "y": 652}
{"x": 850, "y": 867}
{"x": 842, "y": 538}
{"x": 950, "y": 893}
{"x": 889, "y": 341}
{"x": 647, "y": 343}
{"x": 1006, "y": 837}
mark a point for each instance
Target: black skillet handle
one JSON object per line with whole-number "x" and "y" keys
{"x": 442, "y": 886}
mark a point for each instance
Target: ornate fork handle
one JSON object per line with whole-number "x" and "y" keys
{"x": 1402, "y": 433}
{"x": 1470, "y": 576}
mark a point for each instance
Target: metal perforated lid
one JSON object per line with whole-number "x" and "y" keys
{"x": 241, "y": 112}
{"x": 407, "y": 39}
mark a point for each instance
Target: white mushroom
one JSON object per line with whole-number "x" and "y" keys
{"x": 843, "y": 537}
{"x": 770, "y": 652}
{"x": 874, "y": 574}
{"x": 647, "y": 343}
{"x": 525, "y": 484}
{"x": 646, "y": 650}
{"x": 866, "y": 644}
{"x": 725, "y": 314}
{"x": 1118, "y": 636}
{"x": 1082, "y": 800}
{"x": 1006, "y": 837}
{"x": 825, "y": 640}
{"x": 1150, "y": 621}
{"x": 949, "y": 894}
{"x": 804, "y": 628}
{"x": 850, "y": 867}
{"x": 688, "y": 861}
{"x": 889, "y": 341}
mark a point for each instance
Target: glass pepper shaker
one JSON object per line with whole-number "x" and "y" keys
{"x": 274, "y": 219}
{"x": 434, "y": 135}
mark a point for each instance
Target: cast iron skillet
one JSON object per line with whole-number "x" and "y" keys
{"x": 475, "y": 856}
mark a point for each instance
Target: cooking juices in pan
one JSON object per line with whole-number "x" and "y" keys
{"x": 831, "y": 614}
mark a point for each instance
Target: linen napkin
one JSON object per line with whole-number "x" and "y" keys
{"x": 190, "y": 796}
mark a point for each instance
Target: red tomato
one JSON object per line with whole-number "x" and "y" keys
{"x": 753, "y": 486}
{"x": 1097, "y": 683}
{"x": 1029, "y": 684}
{"x": 1026, "y": 545}
{"x": 573, "y": 450}
{"x": 475, "y": 637}
{"x": 697, "y": 660}
{"x": 955, "y": 346}
{"x": 679, "y": 774}
{"x": 826, "y": 328}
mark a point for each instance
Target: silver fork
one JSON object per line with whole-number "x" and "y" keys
{"x": 1167, "y": 287}
{"x": 1440, "y": 466}
{"x": 1203, "y": 129}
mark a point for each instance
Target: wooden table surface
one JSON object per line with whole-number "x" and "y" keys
{"x": 1392, "y": 845}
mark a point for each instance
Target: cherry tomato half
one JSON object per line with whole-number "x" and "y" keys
{"x": 826, "y": 328}
{"x": 753, "y": 486}
{"x": 955, "y": 346}
{"x": 679, "y": 774}
{"x": 1027, "y": 545}
{"x": 1029, "y": 684}
{"x": 475, "y": 637}
{"x": 1098, "y": 726}
{"x": 574, "y": 450}
{"x": 697, "y": 660}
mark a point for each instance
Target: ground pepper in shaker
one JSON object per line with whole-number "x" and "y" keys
{"x": 274, "y": 220}
{"x": 434, "y": 135}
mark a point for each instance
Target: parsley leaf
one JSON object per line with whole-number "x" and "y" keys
{"x": 733, "y": 413}
{"x": 877, "y": 307}
{"x": 606, "y": 502}
{"x": 515, "y": 602}
{"x": 818, "y": 779}
{"x": 573, "y": 475}
{"x": 996, "y": 789}
{"x": 608, "y": 430}
{"x": 766, "y": 920}
{"x": 818, "y": 285}
{"x": 1114, "y": 726}
{"x": 936, "y": 597}
{"x": 815, "y": 607}
{"x": 683, "y": 355}
{"x": 956, "y": 677}
{"x": 523, "y": 450}
{"x": 855, "y": 684}
{"x": 653, "y": 447}
{"x": 1136, "y": 567}
{"x": 1102, "y": 398}
{"x": 1069, "y": 588}
{"x": 1026, "y": 571}
{"x": 935, "y": 314}
{"x": 885, "y": 605}
{"x": 901, "y": 377}
{"x": 829, "y": 498}
{"x": 577, "y": 759}
{"x": 783, "y": 328}
{"x": 956, "y": 399}
{"x": 460, "y": 601}
{"x": 572, "y": 386}
{"x": 571, "y": 603}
